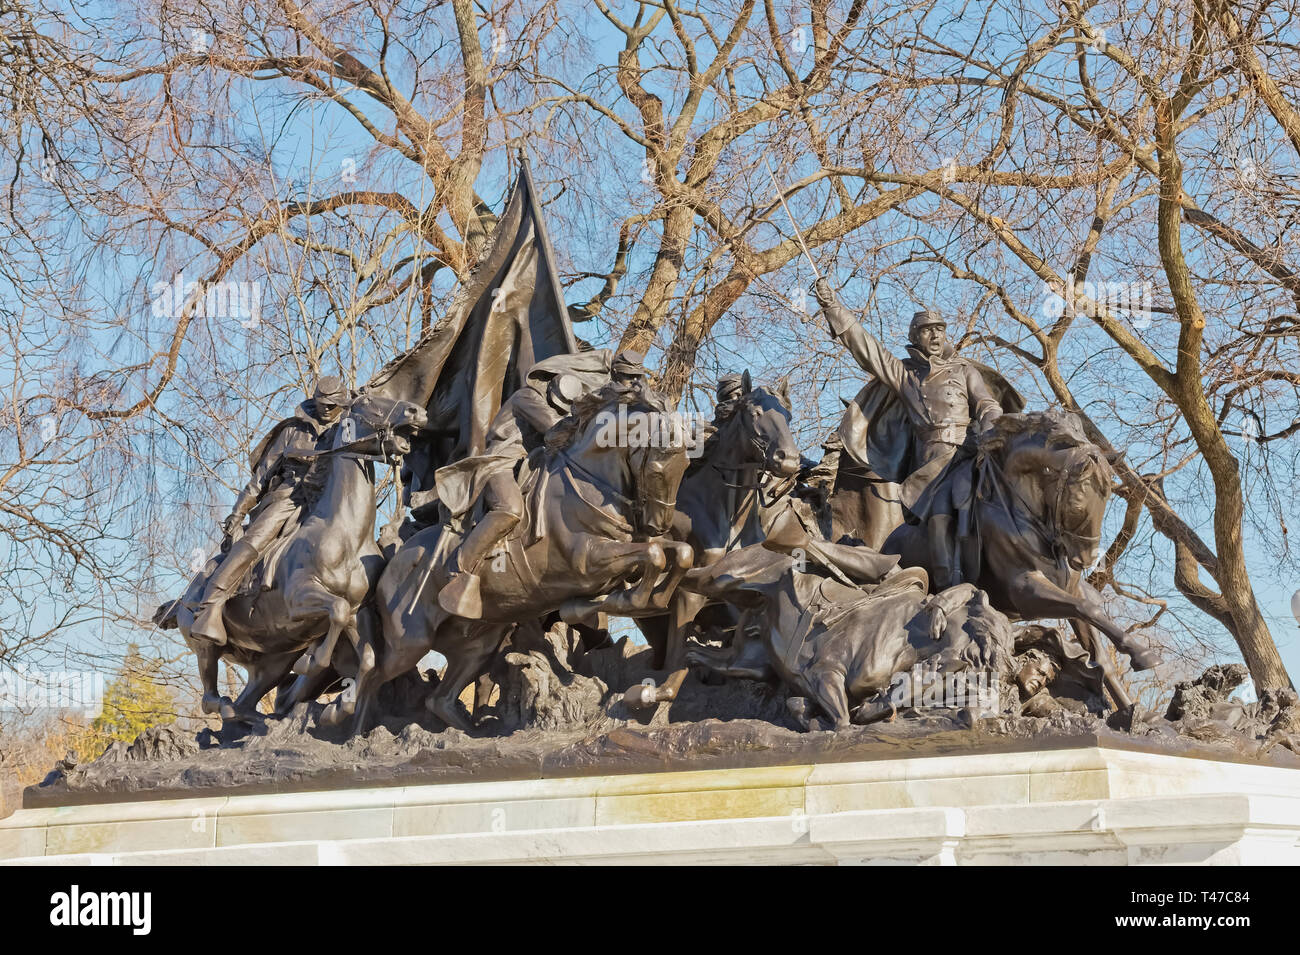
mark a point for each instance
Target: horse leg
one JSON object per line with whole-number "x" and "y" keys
{"x": 303, "y": 689}
{"x": 361, "y": 701}
{"x": 827, "y": 689}
{"x": 407, "y": 636}
{"x": 653, "y": 561}
{"x": 484, "y": 685}
{"x": 681, "y": 612}
{"x": 648, "y": 596}
{"x": 470, "y": 647}
{"x": 209, "y": 658}
{"x": 363, "y": 633}
{"x": 680, "y": 556}
{"x": 617, "y": 560}
{"x": 342, "y": 618}
{"x": 1088, "y": 637}
{"x": 1035, "y": 596}
{"x": 263, "y": 674}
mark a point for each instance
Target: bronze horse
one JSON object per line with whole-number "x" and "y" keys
{"x": 836, "y": 645}
{"x": 590, "y": 542}
{"x": 321, "y": 574}
{"x": 1040, "y": 495}
{"x": 747, "y": 464}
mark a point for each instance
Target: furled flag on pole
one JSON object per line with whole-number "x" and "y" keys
{"x": 518, "y": 316}
{"x": 508, "y": 315}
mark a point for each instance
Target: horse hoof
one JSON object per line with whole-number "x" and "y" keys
{"x": 332, "y": 716}
{"x": 448, "y": 713}
{"x": 1143, "y": 658}
{"x": 302, "y": 666}
{"x": 641, "y": 696}
{"x": 211, "y": 703}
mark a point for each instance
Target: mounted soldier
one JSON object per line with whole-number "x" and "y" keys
{"x": 730, "y": 389}
{"x": 917, "y": 424}
{"x": 518, "y": 429}
{"x": 628, "y": 369}
{"x": 275, "y": 496}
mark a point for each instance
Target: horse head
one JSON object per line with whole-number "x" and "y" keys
{"x": 380, "y": 426}
{"x": 753, "y": 432}
{"x": 1060, "y": 477}
{"x": 629, "y": 440}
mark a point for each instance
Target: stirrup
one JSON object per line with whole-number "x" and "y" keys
{"x": 461, "y": 596}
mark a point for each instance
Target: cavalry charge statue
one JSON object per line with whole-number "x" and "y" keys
{"x": 953, "y": 514}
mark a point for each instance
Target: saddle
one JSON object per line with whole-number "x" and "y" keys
{"x": 262, "y": 576}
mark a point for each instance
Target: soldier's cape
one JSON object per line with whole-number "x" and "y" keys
{"x": 302, "y": 415}
{"x": 460, "y": 483}
{"x": 875, "y": 429}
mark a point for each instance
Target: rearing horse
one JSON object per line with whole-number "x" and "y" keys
{"x": 1041, "y": 492}
{"x": 320, "y": 577}
{"x": 748, "y": 463}
{"x": 594, "y": 510}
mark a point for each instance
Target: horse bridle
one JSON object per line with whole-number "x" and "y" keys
{"x": 1053, "y": 532}
{"x": 384, "y": 432}
{"x": 768, "y": 492}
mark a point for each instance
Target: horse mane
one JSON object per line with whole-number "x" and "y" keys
{"x": 584, "y": 410}
{"x": 1056, "y": 427}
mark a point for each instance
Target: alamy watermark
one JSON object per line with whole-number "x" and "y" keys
{"x": 238, "y": 300}
{"x": 652, "y": 429}
{"x": 27, "y": 691}
{"x": 1130, "y": 299}
{"x": 925, "y": 687}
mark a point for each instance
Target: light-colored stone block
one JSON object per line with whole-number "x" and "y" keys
{"x": 1086, "y": 806}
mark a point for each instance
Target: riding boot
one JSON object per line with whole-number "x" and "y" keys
{"x": 208, "y": 622}
{"x": 939, "y": 532}
{"x": 461, "y": 594}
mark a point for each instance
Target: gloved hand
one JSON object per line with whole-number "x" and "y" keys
{"x": 825, "y": 294}
{"x": 230, "y": 525}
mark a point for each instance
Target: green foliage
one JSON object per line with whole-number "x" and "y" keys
{"x": 135, "y": 700}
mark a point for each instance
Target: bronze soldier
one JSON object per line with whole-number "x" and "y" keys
{"x": 274, "y": 495}
{"x": 729, "y": 388}
{"x": 628, "y": 369}
{"x": 516, "y": 431}
{"x": 943, "y": 397}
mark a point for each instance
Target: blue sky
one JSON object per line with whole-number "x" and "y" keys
{"x": 312, "y": 147}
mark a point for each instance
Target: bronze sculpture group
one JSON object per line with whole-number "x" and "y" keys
{"x": 950, "y": 515}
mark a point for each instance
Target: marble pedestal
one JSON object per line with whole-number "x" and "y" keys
{"x": 1090, "y": 805}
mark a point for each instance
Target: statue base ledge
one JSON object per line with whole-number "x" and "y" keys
{"x": 1090, "y": 804}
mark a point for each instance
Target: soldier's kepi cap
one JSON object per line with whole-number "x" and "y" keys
{"x": 922, "y": 319}
{"x": 564, "y": 389}
{"x": 628, "y": 364}
{"x": 330, "y": 390}
{"x": 731, "y": 386}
